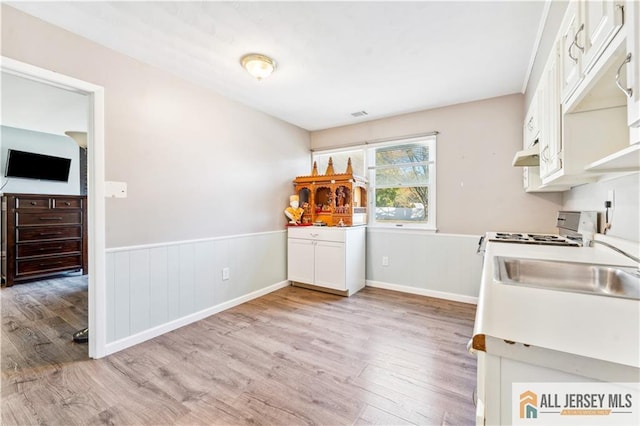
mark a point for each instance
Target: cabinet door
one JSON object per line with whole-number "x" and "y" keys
{"x": 570, "y": 54}
{"x": 554, "y": 119}
{"x": 602, "y": 20}
{"x": 544, "y": 138}
{"x": 633, "y": 68}
{"x": 531, "y": 126}
{"x": 300, "y": 262}
{"x": 550, "y": 138}
{"x": 330, "y": 268}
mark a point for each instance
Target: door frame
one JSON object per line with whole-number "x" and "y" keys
{"x": 95, "y": 191}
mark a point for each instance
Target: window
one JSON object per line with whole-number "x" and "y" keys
{"x": 340, "y": 158}
{"x": 402, "y": 183}
{"x": 401, "y": 178}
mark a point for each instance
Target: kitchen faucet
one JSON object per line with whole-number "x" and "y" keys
{"x": 622, "y": 252}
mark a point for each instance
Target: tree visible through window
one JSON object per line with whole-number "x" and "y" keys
{"x": 401, "y": 179}
{"x": 401, "y": 175}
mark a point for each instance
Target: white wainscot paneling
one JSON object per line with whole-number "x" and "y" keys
{"x": 157, "y": 288}
{"x": 439, "y": 265}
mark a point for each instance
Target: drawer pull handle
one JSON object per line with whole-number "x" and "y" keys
{"x": 573, "y": 58}
{"x": 50, "y": 233}
{"x": 33, "y": 203}
{"x": 66, "y": 203}
{"x": 50, "y": 263}
{"x": 627, "y": 92}
{"x": 50, "y": 248}
{"x": 51, "y": 218}
{"x": 575, "y": 38}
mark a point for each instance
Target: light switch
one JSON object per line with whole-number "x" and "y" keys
{"x": 115, "y": 189}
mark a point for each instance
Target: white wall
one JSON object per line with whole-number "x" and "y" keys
{"x": 32, "y": 105}
{"x": 625, "y": 216}
{"x": 198, "y": 167}
{"x": 478, "y": 189}
{"x": 40, "y": 143}
{"x": 438, "y": 265}
{"x": 156, "y": 288}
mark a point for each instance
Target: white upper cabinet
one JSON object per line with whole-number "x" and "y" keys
{"x": 589, "y": 97}
{"x": 587, "y": 29}
{"x": 542, "y": 116}
{"x": 550, "y": 116}
{"x": 602, "y": 20}
{"x": 570, "y": 54}
{"x": 633, "y": 71}
{"x": 531, "y": 123}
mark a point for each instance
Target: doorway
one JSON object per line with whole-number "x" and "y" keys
{"x": 95, "y": 194}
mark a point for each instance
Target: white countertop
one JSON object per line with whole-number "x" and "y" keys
{"x": 599, "y": 327}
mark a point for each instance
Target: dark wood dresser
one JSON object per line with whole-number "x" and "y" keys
{"x": 42, "y": 235}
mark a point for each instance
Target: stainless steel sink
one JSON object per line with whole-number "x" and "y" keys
{"x": 603, "y": 280}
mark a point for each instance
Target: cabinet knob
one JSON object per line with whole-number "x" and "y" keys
{"x": 33, "y": 203}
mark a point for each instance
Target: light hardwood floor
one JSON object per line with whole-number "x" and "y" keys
{"x": 295, "y": 356}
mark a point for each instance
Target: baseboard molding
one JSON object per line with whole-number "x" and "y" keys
{"x": 143, "y": 336}
{"x": 424, "y": 292}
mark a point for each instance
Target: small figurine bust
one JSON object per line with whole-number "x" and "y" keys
{"x": 294, "y": 211}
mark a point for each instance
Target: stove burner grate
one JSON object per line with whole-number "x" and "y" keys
{"x": 548, "y": 239}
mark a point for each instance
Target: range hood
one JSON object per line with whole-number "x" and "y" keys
{"x": 527, "y": 157}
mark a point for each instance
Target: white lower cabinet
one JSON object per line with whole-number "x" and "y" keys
{"x": 332, "y": 258}
{"x": 508, "y": 362}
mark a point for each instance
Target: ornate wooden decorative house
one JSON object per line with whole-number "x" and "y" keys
{"x": 333, "y": 199}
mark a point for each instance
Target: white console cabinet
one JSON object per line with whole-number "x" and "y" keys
{"x": 330, "y": 258}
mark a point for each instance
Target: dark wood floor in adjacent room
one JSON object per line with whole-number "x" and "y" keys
{"x": 294, "y": 356}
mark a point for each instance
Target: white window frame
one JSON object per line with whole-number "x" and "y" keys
{"x": 362, "y": 148}
{"x": 369, "y": 165}
{"x": 430, "y": 224}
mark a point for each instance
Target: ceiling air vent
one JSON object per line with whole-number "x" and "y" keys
{"x": 359, "y": 113}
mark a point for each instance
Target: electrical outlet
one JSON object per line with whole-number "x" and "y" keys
{"x": 610, "y": 197}
{"x": 225, "y": 274}
{"x": 385, "y": 260}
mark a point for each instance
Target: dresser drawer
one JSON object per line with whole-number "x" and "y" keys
{"x": 32, "y": 202}
{"x": 48, "y": 217}
{"x": 319, "y": 233}
{"x": 48, "y": 233}
{"x": 49, "y": 264}
{"x": 67, "y": 203}
{"x": 53, "y": 247}
{"x": 42, "y": 235}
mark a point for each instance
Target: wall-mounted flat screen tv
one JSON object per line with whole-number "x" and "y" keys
{"x": 30, "y": 165}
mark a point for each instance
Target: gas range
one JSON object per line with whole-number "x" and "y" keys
{"x": 571, "y": 226}
{"x": 526, "y": 238}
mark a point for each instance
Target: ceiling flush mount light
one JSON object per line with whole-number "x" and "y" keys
{"x": 259, "y": 66}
